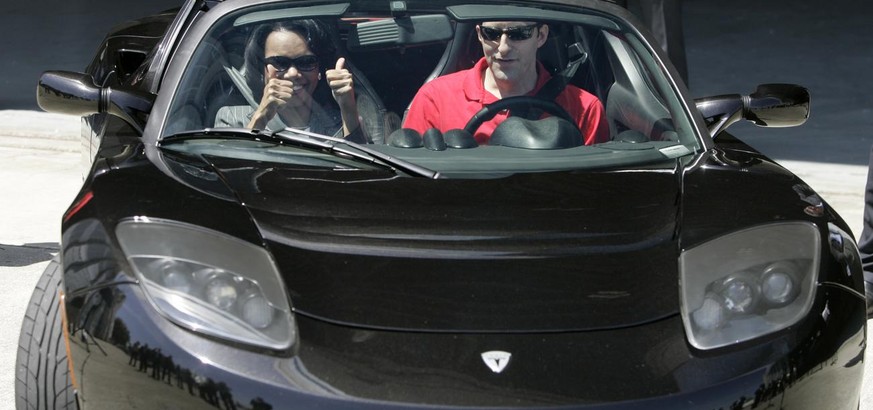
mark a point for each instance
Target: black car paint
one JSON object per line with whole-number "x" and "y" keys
{"x": 431, "y": 252}
{"x": 428, "y": 249}
{"x": 348, "y": 353}
{"x": 126, "y": 47}
{"x": 343, "y": 367}
{"x": 345, "y": 358}
{"x": 374, "y": 365}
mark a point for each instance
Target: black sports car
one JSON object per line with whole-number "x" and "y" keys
{"x": 206, "y": 264}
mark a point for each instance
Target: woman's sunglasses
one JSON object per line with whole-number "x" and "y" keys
{"x": 513, "y": 33}
{"x": 282, "y": 63}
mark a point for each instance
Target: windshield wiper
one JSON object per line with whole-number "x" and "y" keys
{"x": 306, "y": 139}
{"x": 211, "y": 133}
{"x": 340, "y": 145}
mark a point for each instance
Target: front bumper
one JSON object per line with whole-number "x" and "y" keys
{"x": 127, "y": 356}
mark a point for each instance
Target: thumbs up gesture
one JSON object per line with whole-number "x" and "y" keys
{"x": 341, "y": 84}
{"x": 342, "y": 87}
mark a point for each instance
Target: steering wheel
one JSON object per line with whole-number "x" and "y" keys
{"x": 489, "y": 111}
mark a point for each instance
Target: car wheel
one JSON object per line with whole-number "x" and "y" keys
{"x": 42, "y": 377}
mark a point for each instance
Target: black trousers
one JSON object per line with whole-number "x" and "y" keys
{"x": 865, "y": 242}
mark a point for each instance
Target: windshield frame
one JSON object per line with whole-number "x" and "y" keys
{"x": 204, "y": 23}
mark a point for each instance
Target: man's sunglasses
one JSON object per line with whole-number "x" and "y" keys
{"x": 282, "y": 63}
{"x": 513, "y": 33}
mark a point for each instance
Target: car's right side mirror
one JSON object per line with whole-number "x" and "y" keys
{"x": 771, "y": 105}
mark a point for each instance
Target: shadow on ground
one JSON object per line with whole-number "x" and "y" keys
{"x": 27, "y": 254}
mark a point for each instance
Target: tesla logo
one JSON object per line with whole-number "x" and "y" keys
{"x": 496, "y": 360}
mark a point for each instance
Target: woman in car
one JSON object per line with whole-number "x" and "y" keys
{"x": 285, "y": 62}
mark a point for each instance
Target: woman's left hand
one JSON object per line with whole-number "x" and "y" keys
{"x": 341, "y": 85}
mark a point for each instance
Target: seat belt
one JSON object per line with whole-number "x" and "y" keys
{"x": 241, "y": 85}
{"x": 552, "y": 88}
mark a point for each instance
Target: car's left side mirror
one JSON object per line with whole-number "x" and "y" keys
{"x": 67, "y": 92}
{"x": 771, "y": 105}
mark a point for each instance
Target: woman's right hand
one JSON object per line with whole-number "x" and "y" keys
{"x": 277, "y": 92}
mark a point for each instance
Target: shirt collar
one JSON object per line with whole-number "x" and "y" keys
{"x": 474, "y": 82}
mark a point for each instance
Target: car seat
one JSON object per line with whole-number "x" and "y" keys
{"x": 631, "y": 103}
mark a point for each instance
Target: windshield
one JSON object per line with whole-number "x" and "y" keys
{"x": 459, "y": 89}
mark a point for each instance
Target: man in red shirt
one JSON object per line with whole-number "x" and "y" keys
{"x": 509, "y": 68}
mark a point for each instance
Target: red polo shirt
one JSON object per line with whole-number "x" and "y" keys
{"x": 449, "y": 101}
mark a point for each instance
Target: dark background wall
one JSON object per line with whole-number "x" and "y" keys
{"x": 39, "y": 35}
{"x": 825, "y": 46}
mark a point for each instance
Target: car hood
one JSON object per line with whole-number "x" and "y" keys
{"x": 530, "y": 252}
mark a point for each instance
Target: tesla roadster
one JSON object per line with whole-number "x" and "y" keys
{"x": 206, "y": 265}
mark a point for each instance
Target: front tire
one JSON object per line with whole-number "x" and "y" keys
{"x": 42, "y": 377}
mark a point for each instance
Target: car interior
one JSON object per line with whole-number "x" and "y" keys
{"x": 388, "y": 72}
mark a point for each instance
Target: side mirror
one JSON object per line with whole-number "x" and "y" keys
{"x": 66, "y": 92}
{"x": 771, "y": 105}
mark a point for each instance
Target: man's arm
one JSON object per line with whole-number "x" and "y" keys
{"x": 588, "y": 111}
{"x": 593, "y": 124}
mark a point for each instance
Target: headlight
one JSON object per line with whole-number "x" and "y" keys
{"x": 209, "y": 282}
{"x": 748, "y": 283}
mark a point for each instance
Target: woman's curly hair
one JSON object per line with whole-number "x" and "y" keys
{"x": 317, "y": 38}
